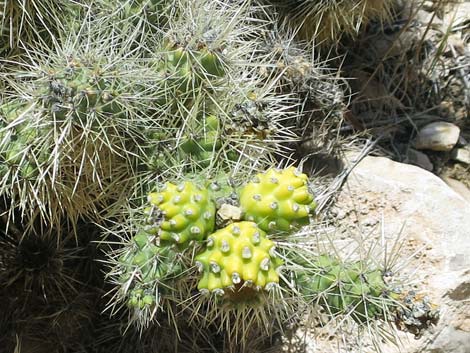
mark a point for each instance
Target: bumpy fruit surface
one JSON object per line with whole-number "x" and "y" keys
{"x": 144, "y": 267}
{"x": 181, "y": 213}
{"x": 277, "y": 200}
{"x": 345, "y": 288}
{"x": 238, "y": 256}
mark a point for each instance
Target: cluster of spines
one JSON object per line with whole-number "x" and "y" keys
{"x": 25, "y": 23}
{"x": 88, "y": 115}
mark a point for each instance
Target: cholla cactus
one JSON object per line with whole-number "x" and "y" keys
{"x": 144, "y": 274}
{"x": 248, "y": 278}
{"x": 31, "y": 23}
{"x": 225, "y": 115}
{"x": 327, "y": 21}
{"x": 346, "y": 288}
{"x": 72, "y": 126}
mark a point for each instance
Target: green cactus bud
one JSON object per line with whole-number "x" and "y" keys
{"x": 238, "y": 257}
{"x": 182, "y": 213}
{"x": 277, "y": 200}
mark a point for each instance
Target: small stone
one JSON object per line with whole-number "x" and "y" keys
{"x": 230, "y": 212}
{"x": 419, "y": 159}
{"x": 462, "y": 141}
{"x": 437, "y": 136}
{"x": 461, "y": 155}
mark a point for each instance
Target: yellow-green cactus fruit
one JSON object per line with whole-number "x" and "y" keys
{"x": 278, "y": 200}
{"x": 181, "y": 213}
{"x": 239, "y": 261}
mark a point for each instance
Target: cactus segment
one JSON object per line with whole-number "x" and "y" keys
{"x": 144, "y": 266}
{"x": 204, "y": 141}
{"x": 277, "y": 200}
{"x": 80, "y": 90}
{"x": 327, "y": 21}
{"x": 346, "y": 288}
{"x": 187, "y": 69}
{"x": 181, "y": 213}
{"x": 238, "y": 259}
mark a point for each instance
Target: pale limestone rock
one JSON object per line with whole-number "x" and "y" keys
{"x": 419, "y": 159}
{"x": 461, "y": 155}
{"x": 434, "y": 222}
{"x": 437, "y": 136}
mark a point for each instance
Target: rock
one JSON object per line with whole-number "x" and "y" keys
{"x": 461, "y": 155}
{"x": 433, "y": 222}
{"x": 229, "y": 212}
{"x": 462, "y": 141}
{"x": 459, "y": 187}
{"x": 455, "y": 43}
{"x": 437, "y": 136}
{"x": 419, "y": 159}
